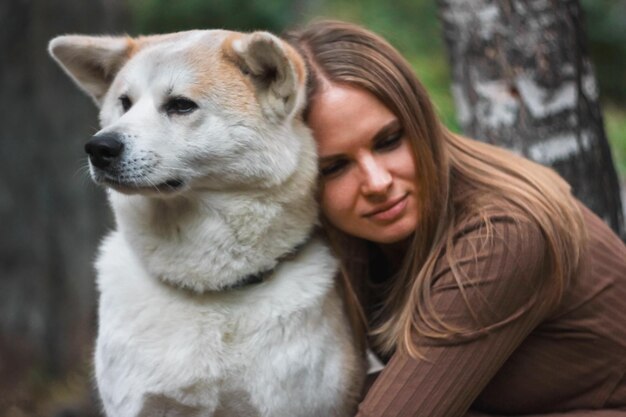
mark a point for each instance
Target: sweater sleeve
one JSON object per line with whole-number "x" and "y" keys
{"x": 503, "y": 285}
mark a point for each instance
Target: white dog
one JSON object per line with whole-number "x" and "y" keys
{"x": 215, "y": 297}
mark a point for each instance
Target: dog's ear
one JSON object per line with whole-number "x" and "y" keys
{"x": 276, "y": 69}
{"x": 91, "y": 61}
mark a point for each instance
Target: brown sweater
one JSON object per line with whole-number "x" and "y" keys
{"x": 533, "y": 359}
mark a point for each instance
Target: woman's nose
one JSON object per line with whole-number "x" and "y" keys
{"x": 376, "y": 178}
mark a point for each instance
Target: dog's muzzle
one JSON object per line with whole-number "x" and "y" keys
{"x": 104, "y": 149}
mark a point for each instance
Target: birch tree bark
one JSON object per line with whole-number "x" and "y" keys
{"x": 522, "y": 79}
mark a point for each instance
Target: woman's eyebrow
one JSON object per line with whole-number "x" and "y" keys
{"x": 391, "y": 127}
{"x": 329, "y": 158}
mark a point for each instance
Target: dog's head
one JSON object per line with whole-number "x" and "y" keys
{"x": 191, "y": 110}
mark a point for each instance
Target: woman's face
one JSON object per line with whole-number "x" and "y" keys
{"x": 367, "y": 168}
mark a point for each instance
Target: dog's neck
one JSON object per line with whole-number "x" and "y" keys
{"x": 212, "y": 240}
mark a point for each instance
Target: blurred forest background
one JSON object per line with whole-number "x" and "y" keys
{"x": 53, "y": 216}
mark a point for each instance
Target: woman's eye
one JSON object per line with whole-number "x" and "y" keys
{"x": 390, "y": 142}
{"x": 332, "y": 169}
{"x": 180, "y": 105}
{"x": 125, "y": 102}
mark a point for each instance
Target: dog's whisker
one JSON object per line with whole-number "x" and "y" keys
{"x": 184, "y": 170}
{"x": 81, "y": 171}
{"x": 152, "y": 184}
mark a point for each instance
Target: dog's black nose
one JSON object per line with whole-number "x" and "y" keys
{"x": 104, "y": 149}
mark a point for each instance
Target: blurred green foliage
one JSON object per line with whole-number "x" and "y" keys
{"x": 410, "y": 25}
{"x": 615, "y": 123}
{"x": 151, "y": 16}
{"x": 413, "y": 28}
{"x": 606, "y": 30}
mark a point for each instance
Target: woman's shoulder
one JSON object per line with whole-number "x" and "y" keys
{"x": 491, "y": 273}
{"x": 476, "y": 210}
{"x": 498, "y": 242}
{"x": 498, "y": 221}
{"x": 600, "y": 237}
{"x": 603, "y": 258}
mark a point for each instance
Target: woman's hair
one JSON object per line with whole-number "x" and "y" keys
{"x": 343, "y": 53}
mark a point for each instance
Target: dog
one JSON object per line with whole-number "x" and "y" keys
{"x": 216, "y": 296}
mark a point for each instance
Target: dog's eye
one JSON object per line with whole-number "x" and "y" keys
{"x": 180, "y": 105}
{"x": 126, "y": 103}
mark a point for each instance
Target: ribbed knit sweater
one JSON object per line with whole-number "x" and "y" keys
{"x": 532, "y": 358}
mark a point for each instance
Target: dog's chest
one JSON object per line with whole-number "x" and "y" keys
{"x": 204, "y": 358}
{"x": 158, "y": 347}
{"x": 204, "y": 338}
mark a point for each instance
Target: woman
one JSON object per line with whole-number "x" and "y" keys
{"x": 484, "y": 284}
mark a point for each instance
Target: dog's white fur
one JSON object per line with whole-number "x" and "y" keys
{"x": 174, "y": 339}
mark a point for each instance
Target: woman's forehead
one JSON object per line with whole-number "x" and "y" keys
{"x": 344, "y": 114}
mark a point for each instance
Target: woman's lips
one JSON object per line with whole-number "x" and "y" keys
{"x": 389, "y": 211}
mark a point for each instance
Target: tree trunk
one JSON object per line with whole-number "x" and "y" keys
{"x": 53, "y": 215}
{"x": 522, "y": 79}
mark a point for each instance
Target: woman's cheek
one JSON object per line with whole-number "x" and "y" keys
{"x": 336, "y": 200}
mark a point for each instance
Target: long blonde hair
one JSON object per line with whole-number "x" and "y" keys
{"x": 343, "y": 53}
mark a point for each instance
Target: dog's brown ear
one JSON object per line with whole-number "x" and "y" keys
{"x": 275, "y": 68}
{"x": 91, "y": 61}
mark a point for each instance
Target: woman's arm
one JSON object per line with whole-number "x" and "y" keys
{"x": 505, "y": 289}
{"x": 571, "y": 413}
